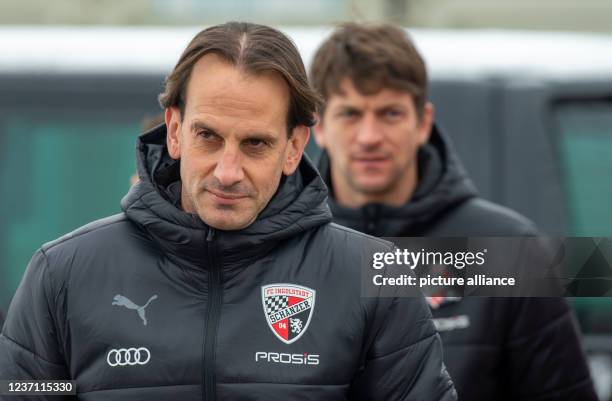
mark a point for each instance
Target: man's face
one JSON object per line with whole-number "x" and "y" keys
{"x": 232, "y": 142}
{"x": 372, "y": 142}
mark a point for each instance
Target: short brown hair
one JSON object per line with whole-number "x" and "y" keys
{"x": 255, "y": 49}
{"x": 373, "y": 57}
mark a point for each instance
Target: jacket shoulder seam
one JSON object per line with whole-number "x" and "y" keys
{"x": 550, "y": 325}
{"x": 35, "y": 355}
{"x": 120, "y": 218}
{"x": 357, "y": 233}
{"x": 429, "y": 337}
{"x": 521, "y": 222}
{"x": 63, "y": 284}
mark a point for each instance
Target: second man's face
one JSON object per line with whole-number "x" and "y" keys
{"x": 372, "y": 141}
{"x": 232, "y": 142}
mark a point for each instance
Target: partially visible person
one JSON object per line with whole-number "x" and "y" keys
{"x": 393, "y": 173}
{"x": 147, "y": 123}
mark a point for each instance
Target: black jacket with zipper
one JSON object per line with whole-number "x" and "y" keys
{"x": 152, "y": 304}
{"x": 494, "y": 348}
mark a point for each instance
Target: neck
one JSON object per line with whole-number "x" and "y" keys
{"x": 186, "y": 205}
{"x": 397, "y": 194}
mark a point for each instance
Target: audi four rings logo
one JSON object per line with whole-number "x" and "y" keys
{"x": 128, "y": 357}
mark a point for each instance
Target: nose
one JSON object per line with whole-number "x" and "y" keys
{"x": 229, "y": 168}
{"x": 369, "y": 133}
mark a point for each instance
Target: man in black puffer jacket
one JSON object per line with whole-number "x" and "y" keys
{"x": 223, "y": 278}
{"x": 392, "y": 173}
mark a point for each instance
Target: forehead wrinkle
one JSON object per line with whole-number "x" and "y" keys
{"x": 231, "y": 104}
{"x": 245, "y": 128}
{"x": 217, "y": 112}
{"x": 226, "y": 94}
{"x": 232, "y": 101}
{"x": 383, "y": 99}
{"x": 347, "y": 88}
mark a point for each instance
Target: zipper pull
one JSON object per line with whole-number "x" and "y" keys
{"x": 210, "y": 235}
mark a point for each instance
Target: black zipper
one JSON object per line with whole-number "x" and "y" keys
{"x": 213, "y": 313}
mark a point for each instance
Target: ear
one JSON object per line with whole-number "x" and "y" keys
{"x": 172, "y": 116}
{"x": 295, "y": 148}
{"x": 425, "y": 123}
{"x": 319, "y": 133}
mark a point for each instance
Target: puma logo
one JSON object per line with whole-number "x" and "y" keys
{"x": 120, "y": 300}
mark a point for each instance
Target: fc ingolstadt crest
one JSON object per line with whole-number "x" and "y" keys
{"x": 288, "y": 309}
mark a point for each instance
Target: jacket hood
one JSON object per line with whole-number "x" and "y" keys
{"x": 299, "y": 204}
{"x": 442, "y": 185}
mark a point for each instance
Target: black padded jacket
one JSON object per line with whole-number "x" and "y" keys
{"x": 152, "y": 304}
{"x": 499, "y": 349}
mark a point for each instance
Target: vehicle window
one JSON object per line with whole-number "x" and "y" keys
{"x": 49, "y": 169}
{"x": 586, "y": 159}
{"x": 585, "y": 141}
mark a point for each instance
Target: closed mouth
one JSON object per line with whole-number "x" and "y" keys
{"x": 227, "y": 196}
{"x": 370, "y": 158}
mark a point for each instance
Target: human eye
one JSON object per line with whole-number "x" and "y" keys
{"x": 208, "y": 134}
{"x": 348, "y": 113}
{"x": 393, "y": 114}
{"x": 256, "y": 143}
{"x": 209, "y": 139}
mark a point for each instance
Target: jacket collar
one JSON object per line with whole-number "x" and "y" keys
{"x": 298, "y": 205}
{"x": 442, "y": 184}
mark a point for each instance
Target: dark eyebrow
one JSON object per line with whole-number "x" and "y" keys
{"x": 345, "y": 107}
{"x": 391, "y": 105}
{"x": 198, "y": 125}
{"x": 261, "y": 136}
{"x": 201, "y": 126}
